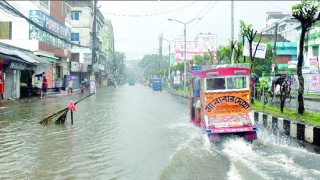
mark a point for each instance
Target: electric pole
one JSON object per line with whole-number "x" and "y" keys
{"x": 92, "y": 77}
{"x": 160, "y": 50}
{"x": 232, "y": 32}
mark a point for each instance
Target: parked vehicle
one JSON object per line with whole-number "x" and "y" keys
{"x": 220, "y": 100}
{"x": 156, "y": 84}
{"x": 131, "y": 82}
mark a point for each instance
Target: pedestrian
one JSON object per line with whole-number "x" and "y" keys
{"x": 44, "y": 86}
{"x": 70, "y": 86}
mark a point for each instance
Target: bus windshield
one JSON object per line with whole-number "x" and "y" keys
{"x": 228, "y": 83}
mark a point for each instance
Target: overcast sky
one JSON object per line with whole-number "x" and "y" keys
{"x": 138, "y": 24}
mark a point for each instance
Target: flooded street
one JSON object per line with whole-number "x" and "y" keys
{"x": 131, "y": 132}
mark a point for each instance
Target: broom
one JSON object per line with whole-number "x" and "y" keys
{"x": 60, "y": 116}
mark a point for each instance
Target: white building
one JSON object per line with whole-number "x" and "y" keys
{"x": 286, "y": 25}
{"x": 50, "y": 17}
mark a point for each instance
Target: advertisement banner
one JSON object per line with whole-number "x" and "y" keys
{"x": 314, "y": 68}
{"x": 261, "y": 50}
{"x": 92, "y": 84}
{"x": 176, "y": 80}
{"x": 314, "y": 81}
{"x": 292, "y": 64}
{"x": 1, "y": 79}
{"x": 228, "y": 109}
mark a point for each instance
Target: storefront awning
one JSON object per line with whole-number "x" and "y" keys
{"x": 47, "y": 56}
{"x": 11, "y": 58}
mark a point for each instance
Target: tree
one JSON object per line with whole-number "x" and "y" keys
{"x": 306, "y": 13}
{"x": 224, "y": 54}
{"x": 150, "y": 64}
{"x": 250, "y": 34}
{"x": 118, "y": 64}
{"x": 244, "y": 29}
{"x": 204, "y": 59}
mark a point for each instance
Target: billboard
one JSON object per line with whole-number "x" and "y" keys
{"x": 261, "y": 50}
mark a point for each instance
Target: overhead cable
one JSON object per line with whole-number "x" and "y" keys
{"x": 148, "y": 15}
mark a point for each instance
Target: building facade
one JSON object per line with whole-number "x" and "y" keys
{"x": 204, "y": 43}
{"x": 48, "y": 16}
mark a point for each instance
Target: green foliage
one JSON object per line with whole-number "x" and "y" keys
{"x": 179, "y": 67}
{"x": 204, "y": 59}
{"x": 244, "y": 29}
{"x": 311, "y": 118}
{"x": 118, "y": 63}
{"x": 150, "y": 64}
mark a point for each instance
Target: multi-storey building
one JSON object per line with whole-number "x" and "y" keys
{"x": 82, "y": 17}
{"x": 48, "y": 39}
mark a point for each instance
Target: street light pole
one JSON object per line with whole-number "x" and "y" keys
{"x": 169, "y": 74}
{"x": 185, "y": 48}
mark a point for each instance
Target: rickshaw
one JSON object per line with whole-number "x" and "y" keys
{"x": 220, "y": 100}
{"x": 156, "y": 84}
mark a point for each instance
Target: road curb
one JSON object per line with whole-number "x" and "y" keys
{"x": 296, "y": 129}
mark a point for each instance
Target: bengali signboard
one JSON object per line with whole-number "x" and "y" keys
{"x": 50, "y": 24}
{"x": 314, "y": 67}
{"x": 228, "y": 109}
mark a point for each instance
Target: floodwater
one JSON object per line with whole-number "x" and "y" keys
{"x": 132, "y": 132}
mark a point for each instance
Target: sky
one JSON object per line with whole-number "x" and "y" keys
{"x": 137, "y": 25}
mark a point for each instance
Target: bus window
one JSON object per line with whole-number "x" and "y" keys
{"x": 215, "y": 84}
{"x": 237, "y": 83}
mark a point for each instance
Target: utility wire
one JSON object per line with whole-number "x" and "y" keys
{"x": 14, "y": 10}
{"x": 148, "y": 15}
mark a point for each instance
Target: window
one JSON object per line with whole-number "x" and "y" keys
{"x": 236, "y": 83}
{"x": 315, "y": 50}
{"x": 75, "y": 15}
{"x": 5, "y": 30}
{"x": 215, "y": 84}
{"x": 75, "y": 37}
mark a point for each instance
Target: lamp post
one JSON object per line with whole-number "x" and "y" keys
{"x": 185, "y": 48}
{"x": 169, "y": 58}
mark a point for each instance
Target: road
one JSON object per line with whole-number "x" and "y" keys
{"x": 131, "y": 132}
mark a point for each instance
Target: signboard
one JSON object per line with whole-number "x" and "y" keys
{"x": 87, "y": 58}
{"x": 49, "y": 23}
{"x": 171, "y": 59}
{"x": 292, "y": 64}
{"x": 314, "y": 67}
{"x": 261, "y": 50}
{"x": 314, "y": 81}
{"x": 228, "y": 109}
{"x": 305, "y": 70}
{"x": 1, "y": 79}
{"x": 92, "y": 84}
{"x": 176, "y": 80}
